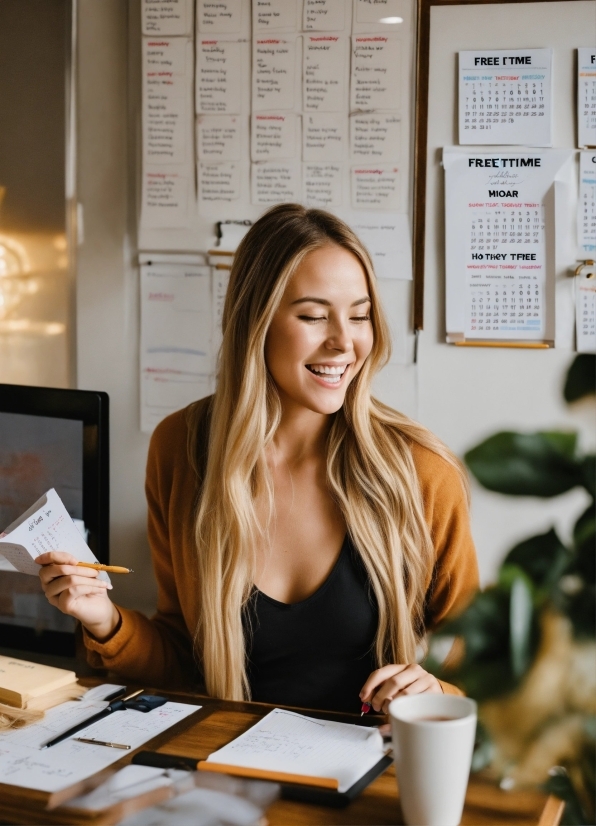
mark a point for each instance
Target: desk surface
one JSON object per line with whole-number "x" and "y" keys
{"x": 218, "y": 722}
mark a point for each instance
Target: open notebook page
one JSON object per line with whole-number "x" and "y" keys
{"x": 284, "y": 741}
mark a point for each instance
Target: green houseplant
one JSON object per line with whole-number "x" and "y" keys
{"x": 527, "y": 648}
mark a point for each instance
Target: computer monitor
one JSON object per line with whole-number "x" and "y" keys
{"x": 50, "y": 438}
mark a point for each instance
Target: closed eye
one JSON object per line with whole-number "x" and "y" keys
{"x": 361, "y": 318}
{"x": 313, "y": 318}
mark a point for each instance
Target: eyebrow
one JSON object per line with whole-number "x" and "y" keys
{"x": 325, "y": 303}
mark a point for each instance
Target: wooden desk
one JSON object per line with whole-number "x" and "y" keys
{"x": 218, "y": 722}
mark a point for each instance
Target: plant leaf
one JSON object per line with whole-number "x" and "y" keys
{"x": 585, "y": 530}
{"x": 589, "y": 471}
{"x": 521, "y": 612}
{"x": 532, "y": 464}
{"x": 543, "y": 558}
{"x": 581, "y": 377}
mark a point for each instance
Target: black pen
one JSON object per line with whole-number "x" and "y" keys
{"x": 115, "y": 705}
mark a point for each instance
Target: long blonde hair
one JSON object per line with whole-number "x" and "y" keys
{"x": 370, "y": 469}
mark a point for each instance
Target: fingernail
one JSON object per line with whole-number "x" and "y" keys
{"x": 110, "y": 586}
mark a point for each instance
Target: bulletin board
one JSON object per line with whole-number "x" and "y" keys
{"x": 446, "y": 29}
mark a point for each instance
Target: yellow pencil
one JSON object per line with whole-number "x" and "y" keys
{"x": 111, "y": 569}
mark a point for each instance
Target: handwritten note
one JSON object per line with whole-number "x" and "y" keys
{"x": 165, "y": 198}
{"x": 376, "y": 76}
{"x": 218, "y": 138}
{"x": 275, "y": 15}
{"x": 219, "y": 16}
{"x": 376, "y": 187}
{"x": 375, "y": 11}
{"x": 219, "y": 182}
{"x": 274, "y": 136}
{"x": 375, "y": 137}
{"x": 45, "y": 526}
{"x": 274, "y": 183}
{"x": 325, "y": 15}
{"x": 166, "y": 100}
{"x": 324, "y": 137}
{"x": 219, "y": 76}
{"x": 325, "y": 61}
{"x": 284, "y": 741}
{"x": 166, "y": 17}
{"x": 322, "y": 185}
{"x": 274, "y": 74}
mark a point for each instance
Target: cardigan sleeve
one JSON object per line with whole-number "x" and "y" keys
{"x": 454, "y": 580}
{"x": 155, "y": 651}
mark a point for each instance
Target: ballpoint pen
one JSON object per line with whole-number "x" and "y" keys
{"x": 366, "y": 707}
{"x": 115, "y": 705}
{"x": 101, "y": 743}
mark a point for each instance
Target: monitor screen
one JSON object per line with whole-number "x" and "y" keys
{"x": 49, "y": 439}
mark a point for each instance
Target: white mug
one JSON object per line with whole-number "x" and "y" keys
{"x": 432, "y": 758}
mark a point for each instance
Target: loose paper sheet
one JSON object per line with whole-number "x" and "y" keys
{"x": 586, "y": 206}
{"x": 376, "y": 187}
{"x": 219, "y": 16}
{"x": 586, "y": 97}
{"x": 500, "y": 284}
{"x": 273, "y": 74}
{"x": 275, "y": 15}
{"x": 324, "y": 73}
{"x": 219, "y": 76}
{"x": 167, "y": 17}
{"x": 325, "y": 15}
{"x": 176, "y": 357}
{"x": 322, "y": 185}
{"x": 324, "y": 137}
{"x": 275, "y": 183}
{"x": 284, "y": 741}
{"x": 505, "y": 97}
{"x": 219, "y": 138}
{"x": 376, "y": 76}
{"x": 386, "y": 235}
{"x": 375, "y": 137}
{"x": 24, "y": 763}
{"x": 45, "y": 526}
{"x": 166, "y": 100}
{"x": 275, "y": 136}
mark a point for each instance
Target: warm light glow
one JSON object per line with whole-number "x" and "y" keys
{"x": 60, "y": 243}
{"x": 391, "y": 20}
{"x": 39, "y": 328}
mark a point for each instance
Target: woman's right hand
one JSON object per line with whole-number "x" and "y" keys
{"x": 78, "y": 592}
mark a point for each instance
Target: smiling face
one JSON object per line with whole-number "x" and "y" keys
{"x": 321, "y": 334}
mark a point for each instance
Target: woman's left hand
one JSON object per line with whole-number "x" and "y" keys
{"x": 391, "y": 681}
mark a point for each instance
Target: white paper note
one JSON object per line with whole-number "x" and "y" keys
{"x": 220, "y": 283}
{"x": 165, "y": 198}
{"x": 387, "y": 237}
{"x": 23, "y": 762}
{"x": 275, "y": 183}
{"x": 219, "y": 182}
{"x": 219, "y": 138}
{"x": 275, "y": 15}
{"x": 322, "y": 185}
{"x": 374, "y": 11}
{"x": 376, "y": 76}
{"x": 219, "y": 16}
{"x": 45, "y": 526}
{"x": 585, "y": 313}
{"x": 498, "y": 282}
{"x": 505, "y": 97}
{"x": 176, "y": 357}
{"x": 166, "y": 17}
{"x": 586, "y": 97}
{"x": 325, "y": 15}
{"x": 586, "y": 207}
{"x": 274, "y": 136}
{"x": 219, "y": 76}
{"x": 166, "y": 100}
{"x": 324, "y": 137}
{"x": 376, "y": 187}
{"x": 375, "y": 137}
{"x": 324, "y": 72}
{"x": 274, "y": 74}
{"x": 284, "y": 741}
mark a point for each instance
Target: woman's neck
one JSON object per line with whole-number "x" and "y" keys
{"x": 300, "y": 436}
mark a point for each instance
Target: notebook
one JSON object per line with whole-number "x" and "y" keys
{"x": 290, "y": 748}
{"x": 22, "y": 681}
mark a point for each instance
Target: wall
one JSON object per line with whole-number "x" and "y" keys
{"x": 463, "y": 395}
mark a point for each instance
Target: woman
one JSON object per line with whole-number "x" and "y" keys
{"x": 304, "y": 535}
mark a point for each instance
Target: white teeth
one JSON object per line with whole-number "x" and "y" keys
{"x": 331, "y": 371}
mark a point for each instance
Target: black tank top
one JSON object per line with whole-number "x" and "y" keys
{"x": 316, "y": 653}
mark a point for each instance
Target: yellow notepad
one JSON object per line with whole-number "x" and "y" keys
{"x": 22, "y": 681}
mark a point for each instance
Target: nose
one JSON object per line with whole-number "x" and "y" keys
{"x": 339, "y": 337}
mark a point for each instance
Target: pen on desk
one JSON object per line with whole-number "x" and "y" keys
{"x": 101, "y": 743}
{"x": 110, "y": 569}
{"x": 366, "y": 707}
{"x": 115, "y": 705}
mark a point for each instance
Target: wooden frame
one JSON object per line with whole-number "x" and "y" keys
{"x": 421, "y": 139}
